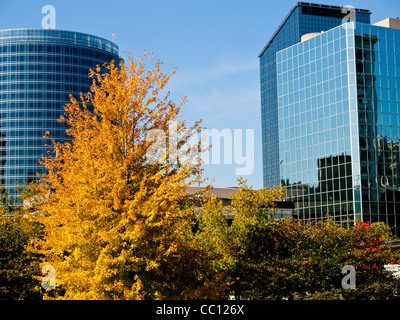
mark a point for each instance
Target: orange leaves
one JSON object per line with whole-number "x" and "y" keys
{"x": 110, "y": 212}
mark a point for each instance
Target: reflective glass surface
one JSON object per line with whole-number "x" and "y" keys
{"x": 377, "y": 58}
{"x": 303, "y": 18}
{"x": 38, "y": 70}
{"x": 338, "y": 119}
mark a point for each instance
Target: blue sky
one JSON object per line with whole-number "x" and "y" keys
{"x": 213, "y": 44}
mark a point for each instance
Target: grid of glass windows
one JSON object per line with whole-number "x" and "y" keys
{"x": 377, "y": 56}
{"x": 38, "y": 70}
{"x": 315, "y": 103}
{"x": 286, "y": 36}
{"x": 303, "y": 18}
{"x": 339, "y": 130}
{"x": 61, "y": 36}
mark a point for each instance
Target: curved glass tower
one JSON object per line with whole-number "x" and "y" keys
{"x": 38, "y": 70}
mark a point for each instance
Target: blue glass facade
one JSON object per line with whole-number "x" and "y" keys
{"x": 339, "y": 130}
{"x": 38, "y": 70}
{"x": 303, "y": 18}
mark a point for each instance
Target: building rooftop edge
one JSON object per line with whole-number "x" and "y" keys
{"x": 366, "y": 11}
{"x": 278, "y": 28}
{"x": 55, "y": 31}
{"x": 360, "y": 23}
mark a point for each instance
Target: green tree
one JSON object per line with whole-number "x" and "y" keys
{"x": 231, "y": 242}
{"x": 267, "y": 258}
{"x": 20, "y": 272}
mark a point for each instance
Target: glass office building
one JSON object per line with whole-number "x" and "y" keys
{"x": 303, "y": 18}
{"x": 339, "y": 124}
{"x": 38, "y": 70}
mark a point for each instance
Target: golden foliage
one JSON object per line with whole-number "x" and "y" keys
{"x": 113, "y": 218}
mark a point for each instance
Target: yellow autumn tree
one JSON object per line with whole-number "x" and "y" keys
{"x": 113, "y": 202}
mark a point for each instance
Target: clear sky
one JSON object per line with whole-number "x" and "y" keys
{"x": 213, "y": 44}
